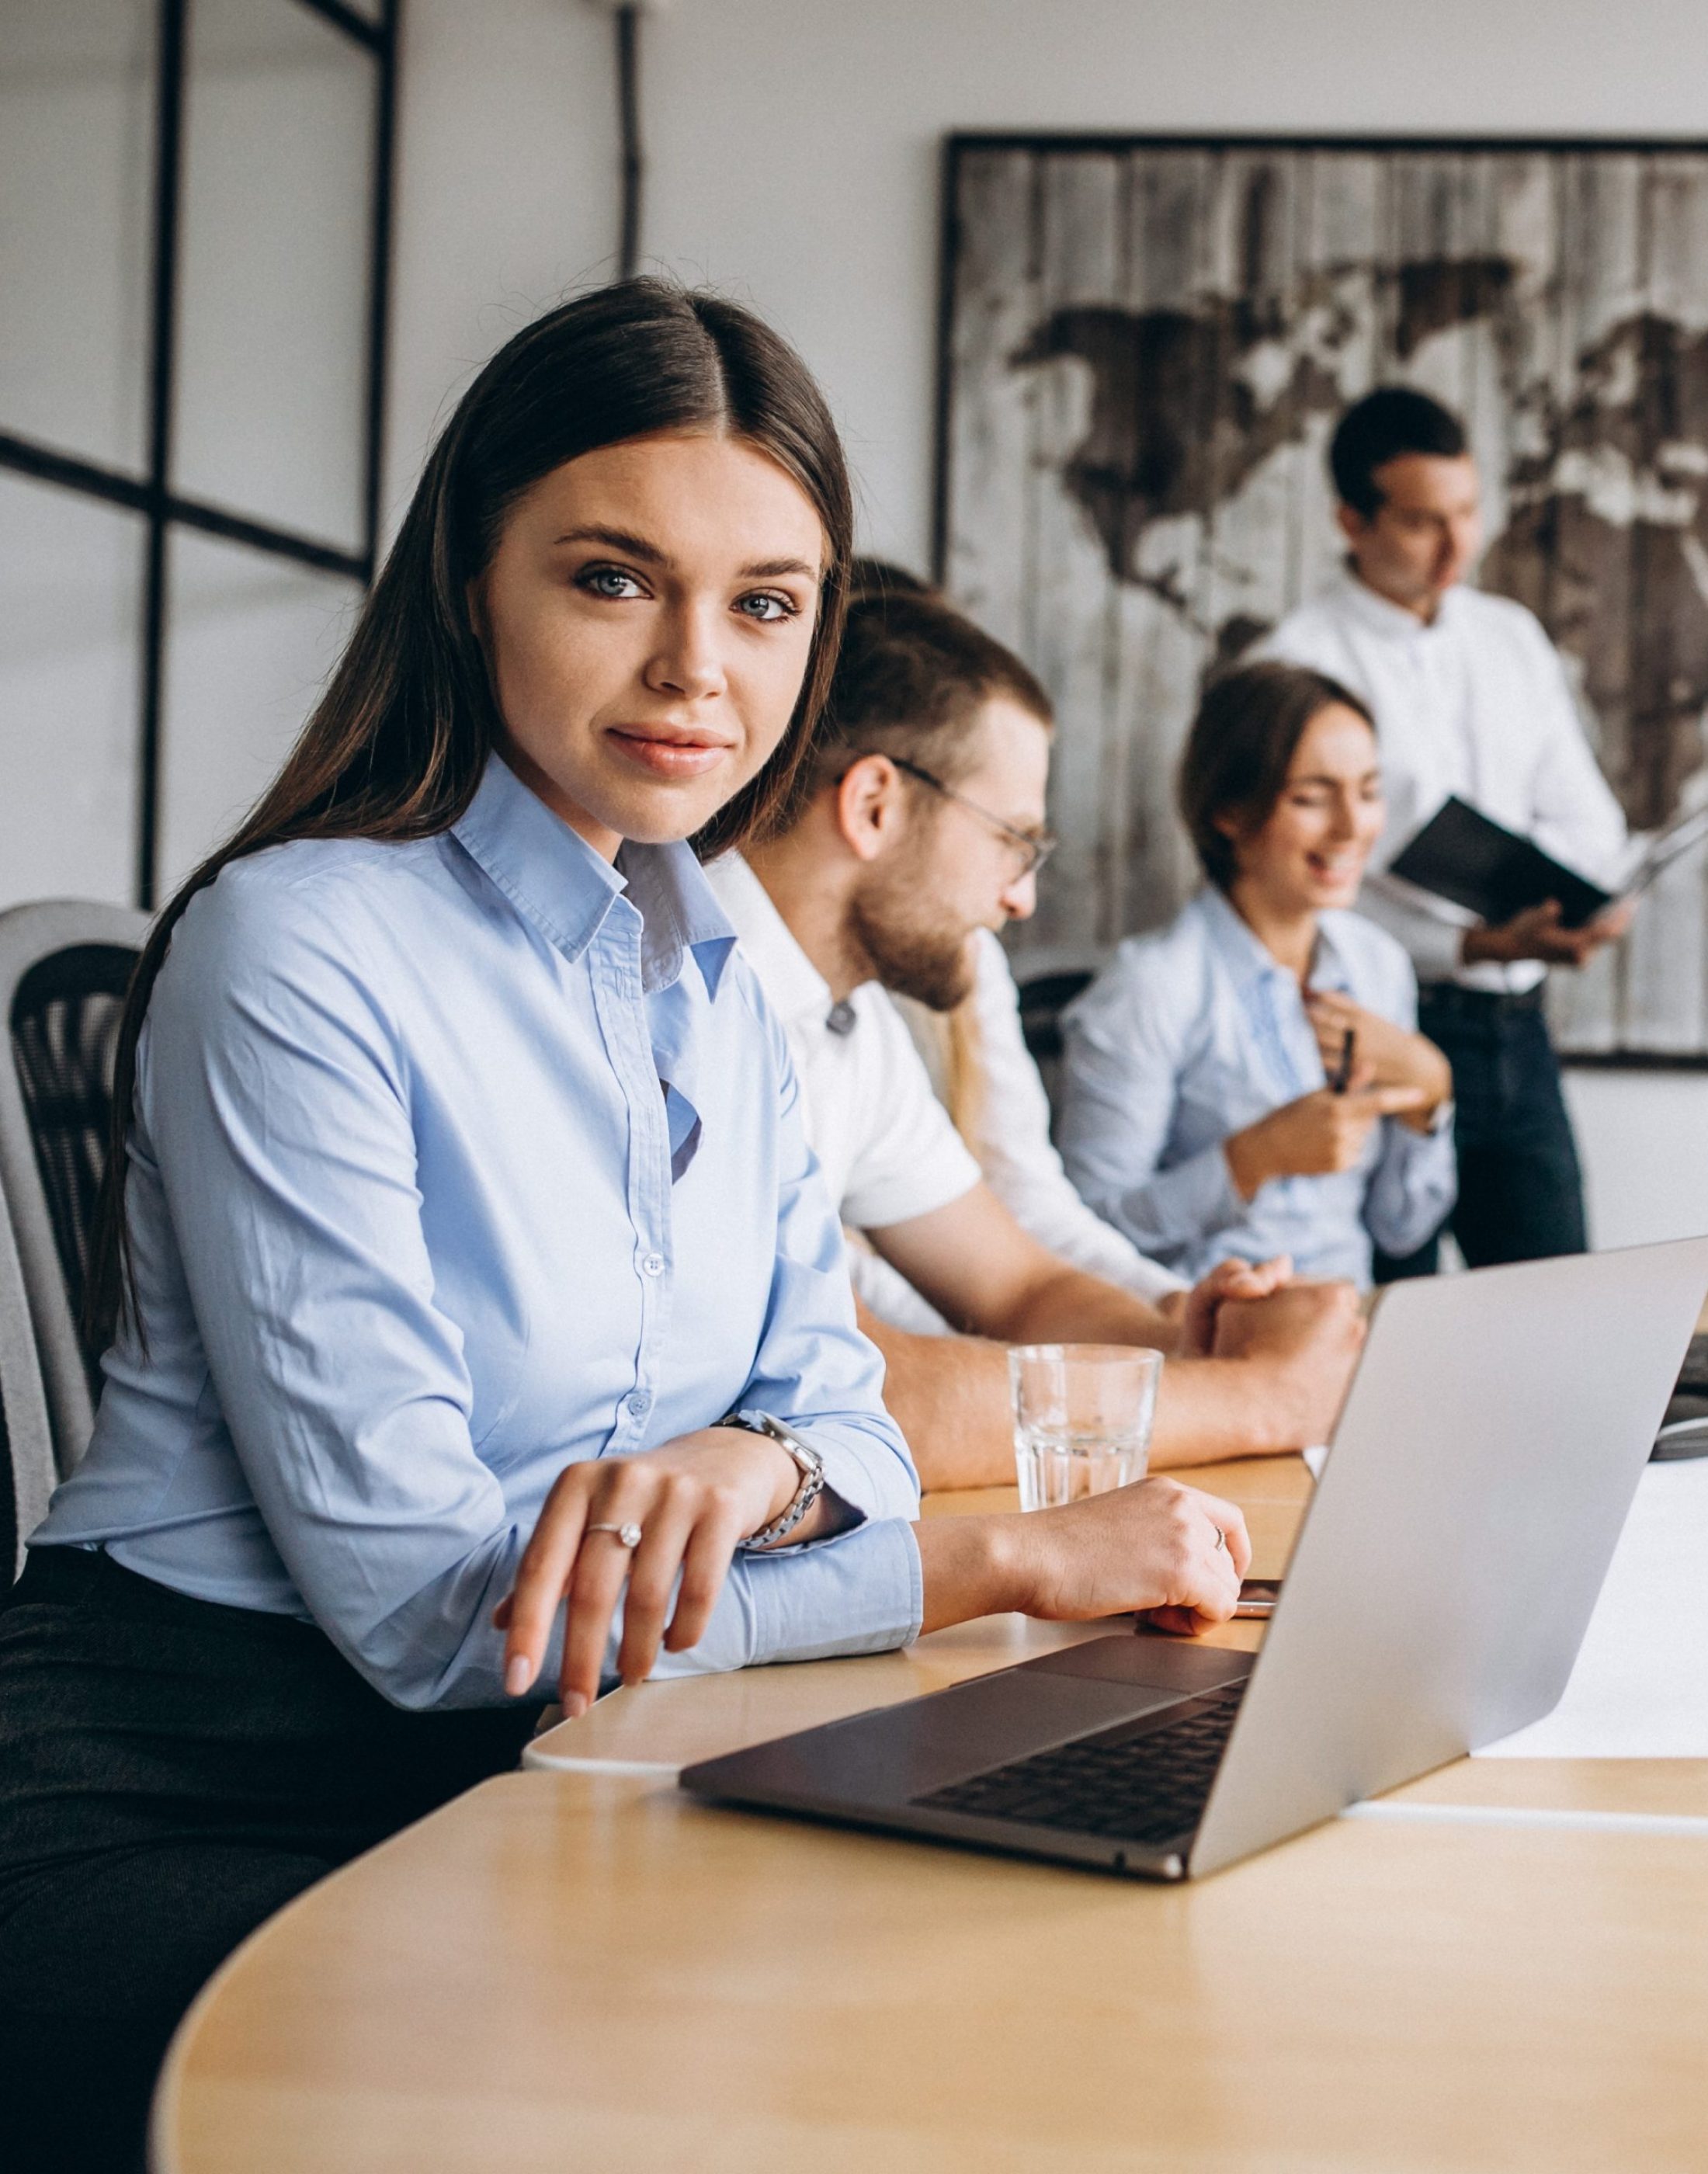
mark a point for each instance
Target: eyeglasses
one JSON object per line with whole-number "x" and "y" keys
{"x": 1033, "y": 847}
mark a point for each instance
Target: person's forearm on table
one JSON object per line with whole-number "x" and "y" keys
{"x": 949, "y": 1396}
{"x": 1209, "y": 1409}
{"x": 1064, "y": 1305}
{"x": 969, "y": 1567}
{"x": 1163, "y": 1549}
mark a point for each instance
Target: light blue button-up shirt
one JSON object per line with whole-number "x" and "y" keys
{"x": 453, "y": 1163}
{"x": 1189, "y": 1035}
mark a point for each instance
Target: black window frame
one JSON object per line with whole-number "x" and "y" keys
{"x": 151, "y": 495}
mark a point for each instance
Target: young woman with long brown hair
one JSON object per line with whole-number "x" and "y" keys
{"x": 471, "y": 1286}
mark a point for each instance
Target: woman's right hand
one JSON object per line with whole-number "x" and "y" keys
{"x": 1320, "y": 1133}
{"x": 1172, "y": 1553}
{"x": 693, "y": 1500}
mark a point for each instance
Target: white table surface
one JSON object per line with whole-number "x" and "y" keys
{"x": 1640, "y": 1690}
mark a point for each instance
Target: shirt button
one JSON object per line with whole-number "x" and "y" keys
{"x": 653, "y": 1264}
{"x": 639, "y": 1404}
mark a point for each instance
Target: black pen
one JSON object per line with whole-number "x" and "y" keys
{"x": 1341, "y": 1077}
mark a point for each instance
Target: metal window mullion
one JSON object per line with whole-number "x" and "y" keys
{"x": 628, "y": 30}
{"x": 87, "y": 479}
{"x": 380, "y": 276}
{"x": 353, "y": 24}
{"x": 65, "y": 472}
{"x": 162, "y": 342}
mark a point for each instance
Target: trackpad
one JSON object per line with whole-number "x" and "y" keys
{"x": 1178, "y": 1666}
{"x": 899, "y": 1752}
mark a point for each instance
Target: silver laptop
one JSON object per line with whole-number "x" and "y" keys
{"x": 1480, "y": 1473}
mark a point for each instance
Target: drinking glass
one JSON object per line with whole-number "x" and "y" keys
{"x": 1082, "y": 1414}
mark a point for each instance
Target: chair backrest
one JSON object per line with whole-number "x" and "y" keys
{"x": 26, "y": 1446}
{"x": 64, "y": 967}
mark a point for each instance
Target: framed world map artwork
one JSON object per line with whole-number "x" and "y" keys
{"x": 1145, "y": 346}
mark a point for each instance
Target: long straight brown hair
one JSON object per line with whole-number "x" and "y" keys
{"x": 397, "y": 745}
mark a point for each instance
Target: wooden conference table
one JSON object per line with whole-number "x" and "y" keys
{"x": 577, "y": 1967}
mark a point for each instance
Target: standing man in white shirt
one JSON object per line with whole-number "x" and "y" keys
{"x": 923, "y": 825}
{"x": 1470, "y": 698}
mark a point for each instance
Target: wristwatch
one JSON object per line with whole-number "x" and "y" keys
{"x": 808, "y": 1462}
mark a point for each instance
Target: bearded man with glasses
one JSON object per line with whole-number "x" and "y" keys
{"x": 918, "y": 834}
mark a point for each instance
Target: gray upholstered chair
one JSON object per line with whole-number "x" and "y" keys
{"x": 64, "y": 966}
{"x": 26, "y": 1446}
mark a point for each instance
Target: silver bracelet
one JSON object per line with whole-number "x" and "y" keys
{"x": 807, "y": 1461}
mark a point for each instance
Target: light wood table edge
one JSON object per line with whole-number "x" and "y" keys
{"x": 1675, "y": 1787}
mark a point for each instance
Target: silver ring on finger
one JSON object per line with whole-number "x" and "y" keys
{"x": 1221, "y": 1539}
{"x": 627, "y": 1536}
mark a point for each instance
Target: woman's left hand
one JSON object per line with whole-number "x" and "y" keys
{"x": 1387, "y": 1055}
{"x": 694, "y": 1501}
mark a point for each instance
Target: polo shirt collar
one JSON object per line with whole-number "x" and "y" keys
{"x": 557, "y": 881}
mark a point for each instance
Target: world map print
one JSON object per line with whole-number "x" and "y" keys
{"x": 1147, "y": 347}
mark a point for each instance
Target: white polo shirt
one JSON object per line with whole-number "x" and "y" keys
{"x": 1476, "y": 703}
{"x": 885, "y": 1142}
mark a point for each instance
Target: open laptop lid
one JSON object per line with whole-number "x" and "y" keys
{"x": 1418, "y": 1621}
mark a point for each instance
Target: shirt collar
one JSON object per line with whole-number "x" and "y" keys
{"x": 1249, "y": 961}
{"x": 797, "y": 992}
{"x": 1391, "y": 619}
{"x": 558, "y": 882}
{"x": 1233, "y": 944}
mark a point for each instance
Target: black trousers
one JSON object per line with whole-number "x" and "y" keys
{"x": 171, "y": 1772}
{"x": 1520, "y": 1189}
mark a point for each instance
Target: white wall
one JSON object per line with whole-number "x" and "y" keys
{"x": 794, "y": 150}
{"x": 506, "y": 194}
{"x": 794, "y": 161}
{"x": 1644, "y": 1139}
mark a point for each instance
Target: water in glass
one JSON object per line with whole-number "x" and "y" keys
{"x": 1082, "y": 1418}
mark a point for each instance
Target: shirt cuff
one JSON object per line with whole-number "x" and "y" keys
{"x": 866, "y": 1594}
{"x": 865, "y": 1473}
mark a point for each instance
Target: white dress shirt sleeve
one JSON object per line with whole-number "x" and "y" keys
{"x": 1020, "y": 1162}
{"x": 1577, "y": 817}
{"x": 908, "y": 1159}
{"x": 1431, "y": 930}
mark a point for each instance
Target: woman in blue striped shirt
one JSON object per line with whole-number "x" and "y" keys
{"x": 486, "y": 1324}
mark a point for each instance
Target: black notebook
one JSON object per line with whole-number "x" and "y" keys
{"x": 1464, "y": 856}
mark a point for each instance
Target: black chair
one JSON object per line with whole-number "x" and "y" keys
{"x": 64, "y": 967}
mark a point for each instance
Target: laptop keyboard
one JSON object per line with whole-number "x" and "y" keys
{"x": 1143, "y": 1782}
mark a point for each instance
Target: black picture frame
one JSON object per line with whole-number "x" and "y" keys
{"x": 957, "y": 146}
